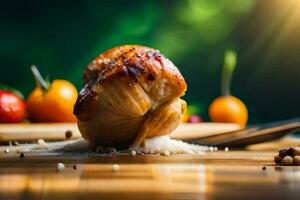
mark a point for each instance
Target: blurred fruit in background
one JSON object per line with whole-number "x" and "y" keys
{"x": 228, "y": 108}
{"x": 192, "y": 114}
{"x": 51, "y": 102}
{"x": 194, "y": 119}
{"x": 12, "y": 107}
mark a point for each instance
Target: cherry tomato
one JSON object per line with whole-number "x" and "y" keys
{"x": 56, "y": 105}
{"x": 52, "y": 102}
{"x": 12, "y": 107}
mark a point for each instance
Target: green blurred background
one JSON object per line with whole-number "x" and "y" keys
{"x": 62, "y": 37}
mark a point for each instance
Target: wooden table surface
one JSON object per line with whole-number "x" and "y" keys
{"x": 214, "y": 175}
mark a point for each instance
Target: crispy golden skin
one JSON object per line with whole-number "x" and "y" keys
{"x": 131, "y": 93}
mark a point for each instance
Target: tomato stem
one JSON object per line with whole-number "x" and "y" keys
{"x": 228, "y": 69}
{"x": 40, "y": 81}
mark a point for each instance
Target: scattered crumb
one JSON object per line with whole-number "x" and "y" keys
{"x": 133, "y": 152}
{"x": 154, "y": 146}
{"x": 215, "y": 148}
{"x": 166, "y": 153}
{"x": 42, "y": 144}
{"x": 115, "y": 167}
{"x": 226, "y": 149}
{"x": 75, "y": 167}
{"x": 6, "y": 151}
{"x": 68, "y": 134}
{"x": 21, "y": 155}
{"x": 60, "y": 167}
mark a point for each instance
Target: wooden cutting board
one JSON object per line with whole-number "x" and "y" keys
{"x": 57, "y": 131}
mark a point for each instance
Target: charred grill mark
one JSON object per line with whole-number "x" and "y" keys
{"x": 122, "y": 70}
{"x": 85, "y": 104}
{"x": 134, "y": 62}
{"x": 125, "y": 61}
{"x": 151, "y": 77}
{"x": 132, "y": 49}
{"x": 133, "y": 72}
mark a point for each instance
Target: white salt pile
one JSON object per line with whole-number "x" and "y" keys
{"x": 162, "y": 145}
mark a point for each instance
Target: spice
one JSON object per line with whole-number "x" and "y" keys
{"x": 296, "y": 160}
{"x": 75, "y": 167}
{"x": 68, "y": 134}
{"x": 277, "y": 159}
{"x": 264, "y": 168}
{"x": 287, "y": 160}
{"x": 290, "y": 156}
{"x": 21, "y": 155}
{"x": 6, "y": 151}
{"x": 296, "y": 151}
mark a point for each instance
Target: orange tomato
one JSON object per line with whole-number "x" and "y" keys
{"x": 55, "y": 105}
{"x": 228, "y": 109}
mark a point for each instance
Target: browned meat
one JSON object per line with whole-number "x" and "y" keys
{"x": 131, "y": 93}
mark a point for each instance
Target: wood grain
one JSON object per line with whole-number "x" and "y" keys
{"x": 214, "y": 175}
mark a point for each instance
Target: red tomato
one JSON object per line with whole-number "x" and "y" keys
{"x": 12, "y": 107}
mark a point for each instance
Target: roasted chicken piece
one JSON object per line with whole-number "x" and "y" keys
{"x": 131, "y": 93}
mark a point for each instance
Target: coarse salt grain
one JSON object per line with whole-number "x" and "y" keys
{"x": 115, "y": 167}
{"x": 60, "y": 167}
{"x": 42, "y": 143}
{"x": 226, "y": 149}
{"x": 133, "y": 153}
{"x": 167, "y": 153}
{"x": 6, "y": 151}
